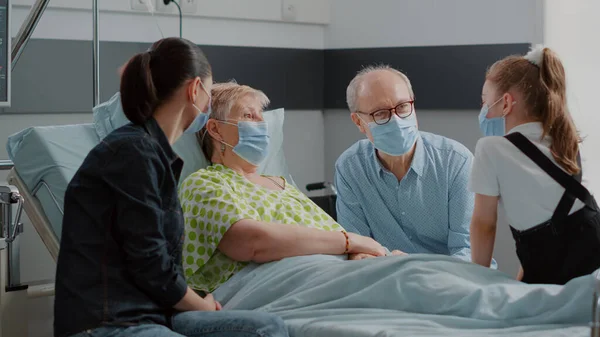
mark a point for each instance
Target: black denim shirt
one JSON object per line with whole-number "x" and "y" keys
{"x": 120, "y": 260}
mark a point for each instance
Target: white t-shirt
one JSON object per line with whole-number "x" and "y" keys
{"x": 528, "y": 195}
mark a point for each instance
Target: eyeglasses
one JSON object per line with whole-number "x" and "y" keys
{"x": 383, "y": 116}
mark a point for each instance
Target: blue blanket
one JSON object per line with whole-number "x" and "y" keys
{"x": 415, "y": 295}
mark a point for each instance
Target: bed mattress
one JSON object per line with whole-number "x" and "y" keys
{"x": 46, "y": 158}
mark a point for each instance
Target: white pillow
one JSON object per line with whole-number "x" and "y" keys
{"x": 109, "y": 116}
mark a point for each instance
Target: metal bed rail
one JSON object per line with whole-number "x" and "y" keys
{"x": 6, "y": 165}
{"x": 10, "y": 227}
{"x": 13, "y": 293}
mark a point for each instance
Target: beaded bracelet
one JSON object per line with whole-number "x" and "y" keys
{"x": 347, "y": 242}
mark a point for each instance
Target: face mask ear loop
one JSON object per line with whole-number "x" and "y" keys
{"x": 506, "y": 114}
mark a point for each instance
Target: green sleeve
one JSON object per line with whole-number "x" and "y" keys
{"x": 210, "y": 207}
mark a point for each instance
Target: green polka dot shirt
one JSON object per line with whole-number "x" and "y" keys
{"x": 217, "y": 197}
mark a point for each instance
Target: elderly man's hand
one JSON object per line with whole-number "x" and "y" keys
{"x": 398, "y": 253}
{"x": 360, "y": 256}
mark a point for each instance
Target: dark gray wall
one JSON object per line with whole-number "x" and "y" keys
{"x": 443, "y": 77}
{"x": 55, "y": 76}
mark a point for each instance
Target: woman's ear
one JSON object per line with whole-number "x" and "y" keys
{"x": 194, "y": 89}
{"x": 508, "y": 103}
{"x": 212, "y": 127}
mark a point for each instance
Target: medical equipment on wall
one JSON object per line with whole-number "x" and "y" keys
{"x": 167, "y": 2}
{"x": 152, "y": 11}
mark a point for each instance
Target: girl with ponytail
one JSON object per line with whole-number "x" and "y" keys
{"x": 528, "y": 164}
{"x": 120, "y": 270}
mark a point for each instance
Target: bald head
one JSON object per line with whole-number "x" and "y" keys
{"x": 378, "y": 88}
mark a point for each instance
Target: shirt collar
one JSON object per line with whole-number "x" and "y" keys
{"x": 418, "y": 162}
{"x": 151, "y": 126}
{"x": 531, "y": 130}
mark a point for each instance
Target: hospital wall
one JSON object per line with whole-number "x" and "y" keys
{"x": 571, "y": 28}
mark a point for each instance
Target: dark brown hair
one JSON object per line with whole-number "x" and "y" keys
{"x": 545, "y": 94}
{"x": 150, "y": 78}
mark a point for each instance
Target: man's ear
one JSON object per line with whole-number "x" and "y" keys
{"x": 358, "y": 122}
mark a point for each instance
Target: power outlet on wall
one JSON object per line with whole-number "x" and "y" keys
{"x": 162, "y": 8}
{"x": 142, "y": 5}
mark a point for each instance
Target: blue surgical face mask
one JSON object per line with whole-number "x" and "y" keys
{"x": 491, "y": 126}
{"x": 202, "y": 117}
{"x": 253, "y": 141}
{"x": 397, "y": 136}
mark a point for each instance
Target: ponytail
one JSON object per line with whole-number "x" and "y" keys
{"x": 555, "y": 116}
{"x": 540, "y": 78}
{"x": 138, "y": 94}
{"x": 151, "y": 78}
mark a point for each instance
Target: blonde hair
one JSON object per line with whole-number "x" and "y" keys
{"x": 542, "y": 83}
{"x": 354, "y": 86}
{"x": 224, "y": 99}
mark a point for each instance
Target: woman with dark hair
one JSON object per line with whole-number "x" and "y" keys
{"x": 119, "y": 270}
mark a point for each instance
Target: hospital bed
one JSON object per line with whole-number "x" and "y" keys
{"x": 46, "y": 158}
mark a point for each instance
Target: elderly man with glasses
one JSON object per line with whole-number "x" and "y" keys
{"x": 405, "y": 188}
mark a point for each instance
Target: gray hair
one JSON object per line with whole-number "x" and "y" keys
{"x": 226, "y": 95}
{"x": 355, "y": 84}
{"x": 224, "y": 98}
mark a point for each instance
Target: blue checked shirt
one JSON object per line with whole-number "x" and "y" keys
{"x": 428, "y": 211}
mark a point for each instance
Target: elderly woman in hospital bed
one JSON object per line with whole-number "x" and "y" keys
{"x": 258, "y": 243}
{"x": 234, "y": 214}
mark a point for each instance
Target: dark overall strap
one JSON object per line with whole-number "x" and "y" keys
{"x": 573, "y": 188}
{"x": 578, "y": 176}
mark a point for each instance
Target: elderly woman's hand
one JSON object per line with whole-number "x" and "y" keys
{"x": 362, "y": 244}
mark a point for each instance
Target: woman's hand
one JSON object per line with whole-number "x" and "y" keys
{"x": 520, "y": 274}
{"x": 211, "y": 303}
{"x": 362, "y": 244}
{"x": 193, "y": 302}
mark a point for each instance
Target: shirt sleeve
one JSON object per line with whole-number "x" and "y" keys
{"x": 210, "y": 207}
{"x": 139, "y": 222}
{"x": 483, "y": 175}
{"x": 460, "y": 210}
{"x": 348, "y": 207}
